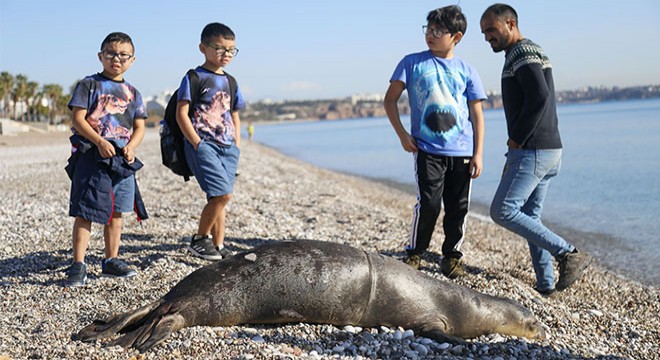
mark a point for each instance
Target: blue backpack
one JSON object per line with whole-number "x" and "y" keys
{"x": 171, "y": 137}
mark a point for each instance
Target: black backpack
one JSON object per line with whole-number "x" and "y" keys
{"x": 171, "y": 137}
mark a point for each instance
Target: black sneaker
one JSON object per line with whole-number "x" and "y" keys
{"x": 203, "y": 247}
{"x": 451, "y": 267}
{"x": 116, "y": 268}
{"x": 571, "y": 267}
{"x": 224, "y": 252}
{"x": 413, "y": 260}
{"x": 76, "y": 275}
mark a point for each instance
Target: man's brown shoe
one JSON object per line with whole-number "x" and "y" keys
{"x": 549, "y": 293}
{"x": 571, "y": 267}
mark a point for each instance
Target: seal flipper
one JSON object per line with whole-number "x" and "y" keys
{"x": 440, "y": 336}
{"x": 161, "y": 323}
{"x": 161, "y": 331}
{"x": 100, "y": 329}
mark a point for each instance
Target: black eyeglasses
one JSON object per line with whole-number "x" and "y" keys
{"x": 221, "y": 50}
{"x": 435, "y": 32}
{"x": 108, "y": 55}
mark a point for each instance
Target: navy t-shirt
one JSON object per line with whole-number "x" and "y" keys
{"x": 211, "y": 115}
{"x": 111, "y": 106}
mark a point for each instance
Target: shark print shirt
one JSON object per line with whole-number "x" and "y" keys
{"x": 112, "y": 106}
{"x": 211, "y": 115}
{"x": 439, "y": 91}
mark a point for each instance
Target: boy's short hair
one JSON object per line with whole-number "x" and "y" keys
{"x": 117, "y": 37}
{"x": 450, "y": 18}
{"x": 217, "y": 29}
{"x": 502, "y": 11}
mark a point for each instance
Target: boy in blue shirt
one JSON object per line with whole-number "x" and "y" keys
{"x": 212, "y": 137}
{"x": 108, "y": 125}
{"x": 447, "y": 131}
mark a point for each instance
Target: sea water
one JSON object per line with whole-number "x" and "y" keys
{"x": 606, "y": 199}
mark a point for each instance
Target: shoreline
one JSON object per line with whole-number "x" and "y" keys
{"x": 276, "y": 197}
{"x": 479, "y": 211}
{"x": 477, "y": 208}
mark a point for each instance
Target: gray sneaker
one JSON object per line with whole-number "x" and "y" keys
{"x": 76, "y": 275}
{"x": 452, "y": 267}
{"x": 226, "y": 253}
{"x": 116, "y": 268}
{"x": 203, "y": 247}
{"x": 571, "y": 267}
{"x": 413, "y": 260}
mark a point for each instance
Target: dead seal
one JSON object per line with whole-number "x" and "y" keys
{"x": 317, "y": 282}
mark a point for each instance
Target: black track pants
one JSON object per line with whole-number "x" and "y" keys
{"x": 440, "y": 179}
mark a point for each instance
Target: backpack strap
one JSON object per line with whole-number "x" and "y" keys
{"x": 193, "y": 78}
{"x": 232, "y": 90}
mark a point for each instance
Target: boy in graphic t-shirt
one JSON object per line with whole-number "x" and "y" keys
{"x": 446, "y": 138}
{"x": 212, "y": 137}
{"x": 108, "y": 125}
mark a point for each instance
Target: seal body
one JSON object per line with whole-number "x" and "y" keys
{"x": 318, "y": 282}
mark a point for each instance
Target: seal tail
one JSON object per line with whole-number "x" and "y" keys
{"x": 100, "y": 329}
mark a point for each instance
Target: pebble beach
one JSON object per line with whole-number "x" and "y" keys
{"x": 603, "y": 316}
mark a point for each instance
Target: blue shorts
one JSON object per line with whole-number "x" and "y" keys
{"x": 124, "y": 194}
{"x": 214, "y": 166}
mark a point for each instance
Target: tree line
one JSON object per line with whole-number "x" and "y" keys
{"x": 24, "y": 100}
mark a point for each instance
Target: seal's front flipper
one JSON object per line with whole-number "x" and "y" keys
{"x": 439, "y": 336}
{"x": 100, "y": 329}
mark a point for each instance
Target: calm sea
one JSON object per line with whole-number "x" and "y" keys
{"x": 606, "y": 199}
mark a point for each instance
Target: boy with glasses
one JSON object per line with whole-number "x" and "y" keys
{"x": 108, "y": 125}
{"x": 211, "y": 127}
{"x": 446, "y": 139}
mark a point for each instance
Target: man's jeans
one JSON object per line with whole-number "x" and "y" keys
{"x": 518, "y": 204}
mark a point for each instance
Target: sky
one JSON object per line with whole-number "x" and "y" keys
{"x": 302, "y": 49}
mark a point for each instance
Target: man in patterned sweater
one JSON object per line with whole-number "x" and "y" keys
{"x": 534, "y": 150}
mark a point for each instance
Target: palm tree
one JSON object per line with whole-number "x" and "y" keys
{"x": 32, "y": 98}
{"x": 62, "y": 104}
{"x": 6, "y": 85}
{"x": 53, "y": 92}
{"x": 19, "y": 93}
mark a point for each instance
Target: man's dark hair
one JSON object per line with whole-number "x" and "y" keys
{"x": 502, "y": 11}
{"x": 450, "y": 18}
{"x": 217, "y": 29}
{"x": 117, "y": 37}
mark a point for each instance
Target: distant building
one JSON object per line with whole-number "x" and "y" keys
{"x": 288, "y": 116}
{"x": 367, "y": 97}
{"x": 156, "y": 104}
{"x": 268, "y": 101}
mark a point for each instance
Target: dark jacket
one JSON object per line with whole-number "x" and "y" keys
{"x": 91, "y": 183}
